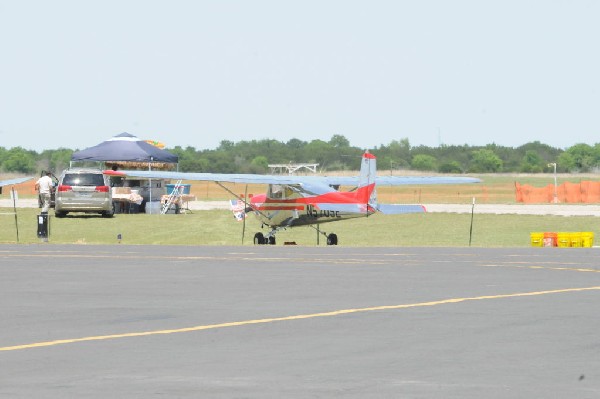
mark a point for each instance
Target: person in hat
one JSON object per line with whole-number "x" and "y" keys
{"x": 44, "y": 185}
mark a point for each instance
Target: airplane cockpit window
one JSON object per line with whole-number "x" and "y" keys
{"x": 280, "y": 191}
{"x": 276, "y": 191}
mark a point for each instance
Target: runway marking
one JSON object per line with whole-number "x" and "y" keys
{"x": 349, "y": 261}
{"x": 289, "y": 318}
{"x": 568, "y": 269}
{"x": 183, "y": 258}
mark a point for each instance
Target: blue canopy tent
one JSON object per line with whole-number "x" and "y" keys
{"x": 125, "y": 147}
{"x": 127, "y": 150}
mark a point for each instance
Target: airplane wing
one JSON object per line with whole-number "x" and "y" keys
{"x": 401, "y": 180}
{"x": 281, "y": 179}
{"x": 419, "y": 180}
{"x": 17, "y": 180}
{"x": 11, "y": 182}
{"x": 216, "y": 177}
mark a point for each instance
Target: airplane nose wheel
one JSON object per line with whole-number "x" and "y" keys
{"x": 332, "y": 239}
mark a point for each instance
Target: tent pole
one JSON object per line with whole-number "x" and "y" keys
{"x": 150, "y": 183}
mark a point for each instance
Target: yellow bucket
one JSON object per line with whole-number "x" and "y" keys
{"x": 575, "y": 239}
{"x": 587, "y": 239}
{"x": 564, "y": 239}
{"x": 537, "y": 239}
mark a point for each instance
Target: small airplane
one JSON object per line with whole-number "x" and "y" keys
{"x": 292, "y": 201}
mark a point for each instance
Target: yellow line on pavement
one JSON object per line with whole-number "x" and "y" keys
{"x": 543, "y": 267}
{"x": 289, "y": 318}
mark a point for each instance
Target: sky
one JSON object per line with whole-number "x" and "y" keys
{"x": 195, "y": 73}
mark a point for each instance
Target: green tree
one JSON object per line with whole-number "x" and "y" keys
{"x": 566, "y": 162}
{"x": 532, "y": 162}
{"x": 339, "y": 141}
{"x": 450, "y": 167}
{"x": 260, "y": 164}
{"x": 485, "y": 161}
{"x": 226, "y": 145}
{"x": 546, "y": 153}
{"x": 3, "y": 155}
{"x": 19, "y": 160}
{"x": 318, "y": 151}
{"x": 424, "y": 162}
{"x": 296, "y": 143}
{"x": 581, "y": 158}
{"x": 453, "y": 159}
{"x": 59, "y": 159}
{"x": 189, "y": 159}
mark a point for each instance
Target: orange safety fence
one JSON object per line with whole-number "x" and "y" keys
{"x": 587, "y": 192}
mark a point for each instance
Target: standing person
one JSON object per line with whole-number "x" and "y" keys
{"x": 44, "y": 185}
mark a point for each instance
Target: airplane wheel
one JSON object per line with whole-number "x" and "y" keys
{"x": 332, "y": 239}
{"x": 272, "y": 240}
{"x": 259, "y": 239}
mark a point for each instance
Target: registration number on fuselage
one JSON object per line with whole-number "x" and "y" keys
{"x": 320, "y": 213}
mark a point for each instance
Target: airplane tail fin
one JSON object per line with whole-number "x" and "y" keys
{"x": 368, "y": 192}
{"x": 366, "y": 183}
{"x": 368, "y": 170}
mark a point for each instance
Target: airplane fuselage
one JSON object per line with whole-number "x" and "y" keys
{"x": 296, "y": 211}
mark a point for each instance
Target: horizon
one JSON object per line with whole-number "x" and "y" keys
{"x": 308, "y": 141}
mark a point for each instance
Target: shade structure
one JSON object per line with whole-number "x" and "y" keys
{"x": 124, "y": 147}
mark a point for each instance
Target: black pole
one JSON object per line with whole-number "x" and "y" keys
{"x": 471, "y": 229}
{"x": 15, "y": 210}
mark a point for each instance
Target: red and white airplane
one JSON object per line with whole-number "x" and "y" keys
{"x": 292, "y": 201}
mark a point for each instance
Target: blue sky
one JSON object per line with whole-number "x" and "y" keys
{"x": 75, "y": 73}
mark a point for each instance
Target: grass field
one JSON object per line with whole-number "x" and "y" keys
{"x": 217, "y": 227}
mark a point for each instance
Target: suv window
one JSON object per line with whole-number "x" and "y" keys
{"x": 83, "y": 179}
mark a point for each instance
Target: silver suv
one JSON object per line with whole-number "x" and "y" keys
{"x": 83, "y": 190}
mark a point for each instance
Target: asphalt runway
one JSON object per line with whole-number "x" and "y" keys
{"x": 297, "y": 322}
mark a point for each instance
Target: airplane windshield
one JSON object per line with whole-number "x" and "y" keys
{"x": 276, "y": 191}
{"x": 280, "y": 191}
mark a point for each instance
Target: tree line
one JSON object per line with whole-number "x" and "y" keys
{"x": 338, "y": 154}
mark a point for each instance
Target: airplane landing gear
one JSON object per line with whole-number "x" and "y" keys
{"x": 260, "y": 239}
{"x": 332, "y": 238}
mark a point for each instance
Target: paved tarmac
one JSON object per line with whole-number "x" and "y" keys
{"x": 295, "y": 322}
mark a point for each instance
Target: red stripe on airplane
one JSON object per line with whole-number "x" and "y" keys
{"x": 279, "y": 208}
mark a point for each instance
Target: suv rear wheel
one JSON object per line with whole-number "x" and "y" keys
{"x": 109, "y": 214}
